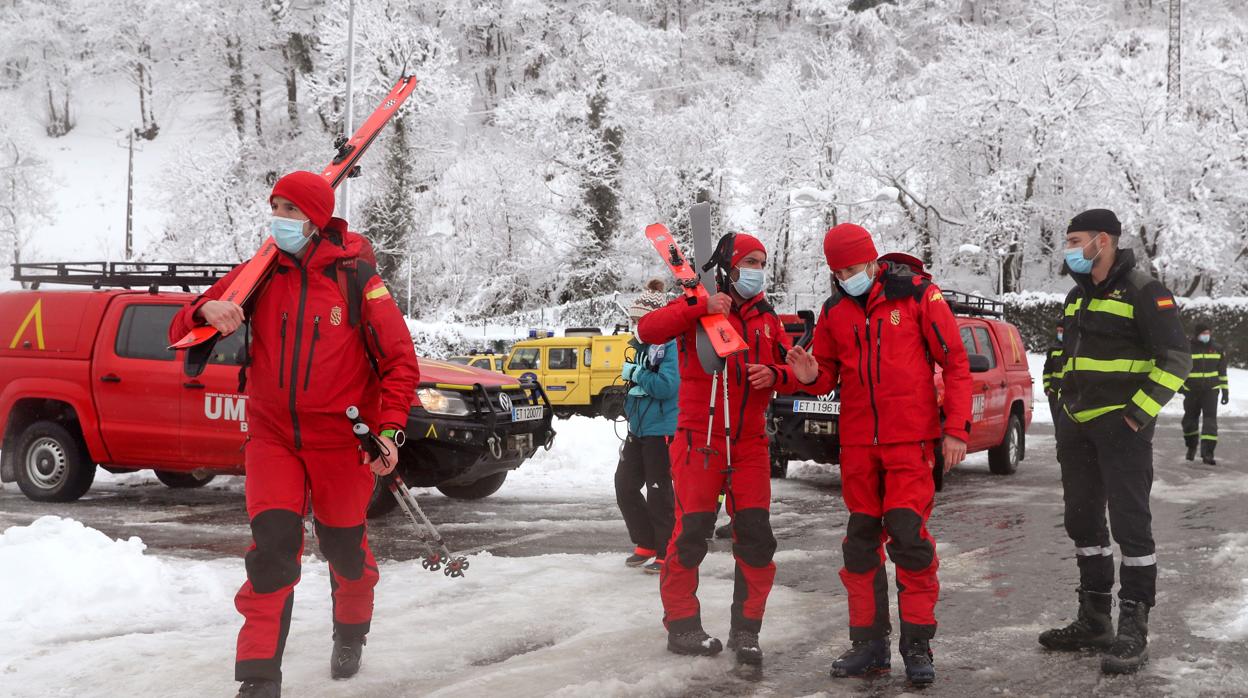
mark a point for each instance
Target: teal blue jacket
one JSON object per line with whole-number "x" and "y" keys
{"x": 651, "y": 404}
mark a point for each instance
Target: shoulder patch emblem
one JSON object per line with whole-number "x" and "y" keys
{"x": 936, "y": 296}
{"x": 1115, "y": 294}
{"x": 895, "y": 317}
{"x": 1165, "y": 303}
{"x": 376, "y": 290}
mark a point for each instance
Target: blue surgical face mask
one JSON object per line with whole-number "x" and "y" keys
{"x": 1077, "y": 262}
{"x": 857, "y": 284}
{"x": 1059, "y": 337}
{"x": 749, "y": 282}
{"x": 288, "y": 234}
{"x": 1206, "y": 338}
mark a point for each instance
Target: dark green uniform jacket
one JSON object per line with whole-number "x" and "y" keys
{"x": 1125, "y": 348}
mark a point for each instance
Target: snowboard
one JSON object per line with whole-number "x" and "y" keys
{"x": 258, "y": 269}
{"x": 721, "y": 337}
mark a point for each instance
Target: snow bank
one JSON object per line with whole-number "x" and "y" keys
{"x": 1227, "y": 619}
{"x": 582, "y": 460}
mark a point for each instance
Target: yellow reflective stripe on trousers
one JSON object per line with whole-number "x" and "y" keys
{"x": 1150, "y": 406}
{"x": 1165, "y": 379}
{"x": 1083, "y": 363}
{"x": 1089, "y": 415}
{"x": 1207, "y": 374}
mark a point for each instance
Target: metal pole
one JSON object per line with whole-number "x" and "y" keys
{"x": 130, "y": 201}
{"x": 344, "y": 205}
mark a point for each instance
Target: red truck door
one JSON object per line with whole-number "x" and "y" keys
{"x": 214, "y": 413}
{"x": 988, "y": 401}
{"x": 137, "y": 382}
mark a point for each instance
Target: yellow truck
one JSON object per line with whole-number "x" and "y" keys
{"x": 579, "y": 371}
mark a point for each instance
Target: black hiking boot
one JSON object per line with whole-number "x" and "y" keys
{"x": 1093, "y": 627}
{"x": 1208, "y": 460}
{"x": 1130, "y": 649}
{"x": 260, "y": 688}
{"x": 655, "y": 567}
{"x": 745, "y": 644}
{"x": 864, "y": 658}
{"x": 694, "y": 642}
{"x": 345, "y": 660}
{"x": 1191, "y": 453}
{"x": 917, "y": 654}
{"x": 637, "y": 560}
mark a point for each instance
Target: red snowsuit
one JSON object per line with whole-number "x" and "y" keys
{"x": 882, "y": 356}
{"x": 698, "y": 481}
{"x": 308, "y": 364}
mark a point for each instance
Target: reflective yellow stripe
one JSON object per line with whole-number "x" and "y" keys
{"x": 1089, "y": 415}
{"x": 1083, "y": 363}
{"x": 1206, "y": 437}
{"x": 1072, "y": 308}
{"x": 1150, "y": 406}
{"x": 1215, "y": 357}
{"x": 1206, "y": 374}
{"x": 1165, "y": 379}
{"x": 1105, "y": 305}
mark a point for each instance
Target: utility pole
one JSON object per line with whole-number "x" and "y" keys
{"x": 130, "y": 200}
{"x": 344, "y": 205}
{"x": 1173, "y": 60}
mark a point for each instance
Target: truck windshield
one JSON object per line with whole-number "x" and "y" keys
{"x": 524, "y": 359}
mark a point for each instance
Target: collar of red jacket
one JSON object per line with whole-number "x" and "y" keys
{"x": 333, "y": 243}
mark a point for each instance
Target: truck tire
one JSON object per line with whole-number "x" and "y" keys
{"x": 1004, "y": 457}
{"x": 52, "y": 464}
{"x": 183, "y": 481}
{"x": 382, "y": 502}
{"x": 611, "y": 403}
{"x": 779, "y": 465}
{"x": 480, "y": 489}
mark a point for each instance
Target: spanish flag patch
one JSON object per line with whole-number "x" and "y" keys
{"x": 936, "y": 296}
{"x": 1166, "y": 303}
{"x": 375, "y": 290}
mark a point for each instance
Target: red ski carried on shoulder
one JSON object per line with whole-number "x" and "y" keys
{"x": 345, "y": 164}
{"x": 722, "y": 335}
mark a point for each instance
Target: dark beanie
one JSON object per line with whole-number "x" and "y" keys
{"x": 1202, "y": 327}
{"x": 846, "y": 245}
{"x": 1095, "y": 220}
{"x": 310, "y": 193}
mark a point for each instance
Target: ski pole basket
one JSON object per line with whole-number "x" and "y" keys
{"x": 98, "y": 275}
{"x": 968, "y": 304}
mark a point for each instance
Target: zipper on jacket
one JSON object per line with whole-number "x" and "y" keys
{"x": 858, "y": 344}
{"x": 294, "y": 354}
{"x": 875, "y": 412}
{"x": 381, "y": 354}
{"x": 316, "y": 334}
{"x": 940, "y": 339}
{"x": 281, "y": 363}
{"x": 879, "y": 353}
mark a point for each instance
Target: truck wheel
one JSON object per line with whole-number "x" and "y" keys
{"x": 382, "y": 502}
{"x": 480, "y": 489}
{"x": 611, "y": 404}
{"x": 52, "y": 464}
{"x": 1003, "y": 458}
{"x": 779, "y": 466}
{"x": 183, "y": 481}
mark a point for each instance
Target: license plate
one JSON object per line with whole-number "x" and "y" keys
{"x": 817, "y": 406}
{"x": 526, "y": 414}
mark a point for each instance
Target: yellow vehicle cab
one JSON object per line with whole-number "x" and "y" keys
{"x": 481, "y": 359}
{"x": 580, "y": 371}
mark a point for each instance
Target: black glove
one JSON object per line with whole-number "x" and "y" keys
{"x": 1226, "y": 396}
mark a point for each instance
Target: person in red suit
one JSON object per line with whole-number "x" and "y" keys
{"x": 879, "y": 338}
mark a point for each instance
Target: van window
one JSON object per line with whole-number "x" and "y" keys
{"x": 144, "y": 332}
{"x": 527, "y": 359}
{"x": 968, "y": 340}
{"x": 481, "y": 363}
{"x": 585, "y": 360}
{"x": 498, "y": 365}
{"x": 228, "y": 351}
{"x": 985, "y": 346}
{"x": 561, "y": 360}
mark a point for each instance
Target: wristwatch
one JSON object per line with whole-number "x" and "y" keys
{"x": 396, "y": 435}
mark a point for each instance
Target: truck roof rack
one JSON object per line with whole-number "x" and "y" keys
{"x": 97, "y": 275}
{"x": 969, "y": 304}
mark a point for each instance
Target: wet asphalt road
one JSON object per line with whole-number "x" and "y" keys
{"x": 1007, "y": 568}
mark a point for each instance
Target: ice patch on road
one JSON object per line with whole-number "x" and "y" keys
{"x": 1205, "y": 485}
{"x": 1226, "y": 619}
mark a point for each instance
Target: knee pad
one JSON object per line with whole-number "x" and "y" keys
{"x": 694, "y": 530}
{"x": 861, "y": 547}
{"x": 755, "y": 543}
{"x": 274, "y": 563}
{"x": 907, "y": 548}
{"x": 343, "y": 548}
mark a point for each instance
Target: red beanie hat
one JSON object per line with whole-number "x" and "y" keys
{"x": 847, "y": 244}
{"x": 743, "y": 244}
{"x": 310, "y": 193}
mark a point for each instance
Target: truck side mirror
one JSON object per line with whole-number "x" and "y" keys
{"x": 979, "y": 363}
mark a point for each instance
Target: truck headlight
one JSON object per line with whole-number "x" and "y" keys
{"x": 442, "y": 402}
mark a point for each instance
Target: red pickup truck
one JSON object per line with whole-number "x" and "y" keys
{"x": 805, "y": 427}
{"x": 86, "y": 379}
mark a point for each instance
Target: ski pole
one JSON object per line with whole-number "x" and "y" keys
{"x": 728, "y": 448}
{"x": 707, "y": 450}
{"x": 436, "y": 552}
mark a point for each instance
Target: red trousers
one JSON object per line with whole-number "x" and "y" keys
{"x": 697, "y": 483}
{"x": 279, "y": 481}
{"x": 888, "y": 491}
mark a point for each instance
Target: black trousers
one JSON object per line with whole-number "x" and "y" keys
{"x": 1106, "y": 464}
{"x": 644, "y": 464}
{"x": 1196, "y": 403}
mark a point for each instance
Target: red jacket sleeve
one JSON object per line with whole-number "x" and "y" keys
{"x": 185, "y": 321}
{"x": 671, "y": 321}
{"x": 940, "y": 330}
{"x": 391, "y": 345}
{"x": 825, "y": 352}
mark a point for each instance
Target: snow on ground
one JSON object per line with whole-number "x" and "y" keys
{"x": 1238, "y": 406}
{"x": 118, "y": 621}
{"x": 1227, "y": 619}
{"x": 582, "y": 461}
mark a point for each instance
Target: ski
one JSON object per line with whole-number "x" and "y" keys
{"x": 720, "y": 334}
{"x": 703, "y": 250}
{"x": 345, "y": 164}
